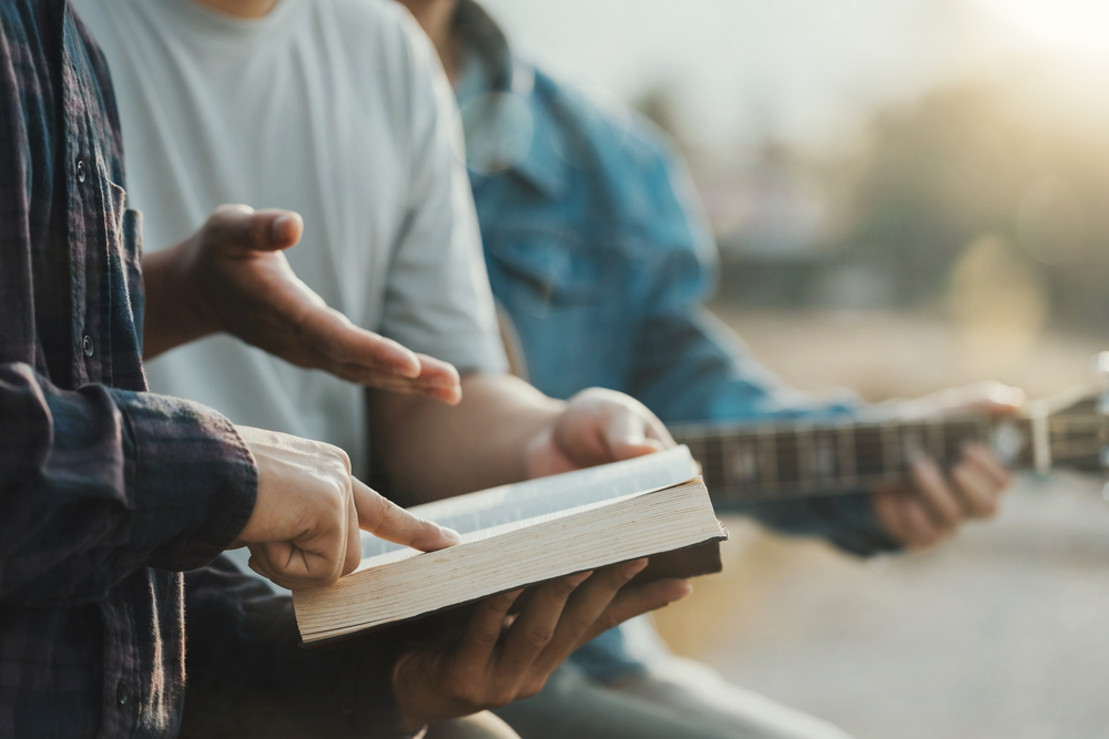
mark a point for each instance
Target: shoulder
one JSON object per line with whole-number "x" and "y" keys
{"x": 387, "y": 15}
{"x": 615, "y": 132}
{"x": 379, "y": 30}
{"x": 648, "y": 191}
{"x": 383, "y": 45}
{"x": 384, "y": 18}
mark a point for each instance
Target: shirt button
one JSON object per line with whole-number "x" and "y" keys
{"x": 82, "y": 171}
{"x": 121, "y": 694}
{"x": 86, "y": 345}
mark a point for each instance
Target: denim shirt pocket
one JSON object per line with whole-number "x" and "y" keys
{"x": 564, "y": 296}
{"x": 538, "y": 269}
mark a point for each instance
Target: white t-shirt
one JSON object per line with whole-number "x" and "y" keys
{"x": 337, "y": 109}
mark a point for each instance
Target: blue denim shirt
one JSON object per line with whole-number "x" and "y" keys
{"x": 598, "y": 253}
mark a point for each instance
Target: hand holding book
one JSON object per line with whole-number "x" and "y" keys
{"x": 529, "y": 532}
{"x": 596, "y": 426}
{"x": 502, "y": 658}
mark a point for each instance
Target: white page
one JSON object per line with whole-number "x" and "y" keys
{"x": 509, "y": 503}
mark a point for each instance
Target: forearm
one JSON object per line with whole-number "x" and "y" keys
{"x": 171, "y": 316}
{"x": 846, "y": 521}
{"x": 430, "y": 450}
{"x": 100, "y": 482}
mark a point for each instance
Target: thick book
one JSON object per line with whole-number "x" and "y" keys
{"x": 516, "y": 535}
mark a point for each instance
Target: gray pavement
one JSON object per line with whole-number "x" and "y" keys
{"x": 1002, "y": 633}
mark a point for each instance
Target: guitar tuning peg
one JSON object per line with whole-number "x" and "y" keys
{"x": 1101, "y": 373}
{"x": 1100, "y": 366}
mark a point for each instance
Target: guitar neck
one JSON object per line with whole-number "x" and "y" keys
{"x": 766, "y": 462}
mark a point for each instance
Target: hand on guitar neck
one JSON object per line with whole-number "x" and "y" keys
{"x": 930, "y": 504}
{"x": 932, "y": 463}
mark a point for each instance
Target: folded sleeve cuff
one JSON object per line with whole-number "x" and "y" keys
{"x": 191, "y": 476}
{"x": 852, "y": 525}
{"x": 847, "y": 521}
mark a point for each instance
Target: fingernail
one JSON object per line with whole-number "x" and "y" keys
{"x": 450, "y": 535}
{"x": 285, "y": 226}
{"x": 451, "y": 396}
{"x": 685, "y": 590}
{"x": 579, "y": 578}
{"x": 631, "y": 569}
{"x": 1006, "y": 395}
{"x": 407, "y": 364}
{"x": 925, "y": 464}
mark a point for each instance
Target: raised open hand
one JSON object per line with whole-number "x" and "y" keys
{"x": 232, "y": 276}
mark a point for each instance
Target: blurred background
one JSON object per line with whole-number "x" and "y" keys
{"x": 907, "y": 194}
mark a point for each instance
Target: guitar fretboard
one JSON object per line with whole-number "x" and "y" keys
{"x": 764, "y": 462}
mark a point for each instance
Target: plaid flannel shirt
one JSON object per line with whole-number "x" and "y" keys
{"x": 109, "y": 493}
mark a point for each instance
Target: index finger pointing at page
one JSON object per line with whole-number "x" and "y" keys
{"x": 387, "y": 520}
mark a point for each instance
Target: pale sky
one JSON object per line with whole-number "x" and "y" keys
{"x": 810, "y": 71}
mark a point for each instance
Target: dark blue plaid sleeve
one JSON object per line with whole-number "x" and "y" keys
{"x": 99, "y": 482}
{"x": 103, "y": 488}
{"x": 97, "y": 479}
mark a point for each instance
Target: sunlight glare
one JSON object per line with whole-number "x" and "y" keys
{"x": 1071, "y": 27}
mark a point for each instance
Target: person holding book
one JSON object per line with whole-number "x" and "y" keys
{"x": 213, "y": 49}
{"x": 591, "y": 229}
{"x": 339, "y": 110}
{"x": 111, "y": 493}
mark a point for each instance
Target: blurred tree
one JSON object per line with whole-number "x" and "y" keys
{"x": 935, "y": 178}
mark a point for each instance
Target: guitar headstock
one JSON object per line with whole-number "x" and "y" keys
{"x": 1077, "y": 422}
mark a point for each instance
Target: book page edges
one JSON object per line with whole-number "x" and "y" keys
{"x": 335, "y": 610}
{"x": 703, "y": 558}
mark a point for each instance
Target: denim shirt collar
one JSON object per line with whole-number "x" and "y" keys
{"x": 510, "y": 129}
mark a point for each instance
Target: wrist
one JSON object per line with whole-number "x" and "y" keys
{"x": 542, "y": 454}
{"x": 409, "y": 717}
{"x": 174, "y": 313}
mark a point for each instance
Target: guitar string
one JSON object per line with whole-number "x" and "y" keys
{"x": 792, "y": 440}
{"x": 833, "y": 484}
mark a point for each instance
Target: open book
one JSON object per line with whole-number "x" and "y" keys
{"x": 526, "y": 533}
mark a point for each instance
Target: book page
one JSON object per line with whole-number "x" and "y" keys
{"x": 507, "y": 504}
